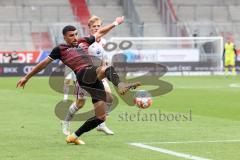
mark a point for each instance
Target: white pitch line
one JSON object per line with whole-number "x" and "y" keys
{"x": 235, "y": 85}
{"x": 165, "y": 151}
{"x": 200, "y": 87}
{"x": 187, "y": 142}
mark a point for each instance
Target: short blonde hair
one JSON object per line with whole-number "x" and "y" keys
{"x": 93, "y": 19}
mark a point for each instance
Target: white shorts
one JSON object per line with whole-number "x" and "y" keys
{"x": 71, "y": 76}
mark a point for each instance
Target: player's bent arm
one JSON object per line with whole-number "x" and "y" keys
{"x": 101, "y": 32}
{"x": 40, "y": 66}
{"x": 104, "y": 30}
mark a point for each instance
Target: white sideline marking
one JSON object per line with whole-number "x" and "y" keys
{"x": 186, "y": 142}
{"x": 200, "y": 87}
{"x": 235, "y": 85}
{"x": 162, "y": 150}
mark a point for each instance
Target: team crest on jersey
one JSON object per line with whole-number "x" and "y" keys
{"x": 98, "y": 51}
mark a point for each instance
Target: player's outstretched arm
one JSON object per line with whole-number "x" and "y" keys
{"x": 104, "y": 30}
{"x": 40, "y": 66}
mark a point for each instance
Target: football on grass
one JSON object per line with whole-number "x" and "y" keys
{"x": 143, "y": 99}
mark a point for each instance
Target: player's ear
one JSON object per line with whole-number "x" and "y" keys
{"x": 64, "y": 37}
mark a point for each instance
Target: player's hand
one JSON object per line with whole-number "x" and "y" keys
{"x": 119, "y": 20}
{"x": 22, "y": 82}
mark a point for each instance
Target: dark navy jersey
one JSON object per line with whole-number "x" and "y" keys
{"x": 75, "y": 58}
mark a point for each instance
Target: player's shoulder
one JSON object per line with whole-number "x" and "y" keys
{"x": 87, "y": 39}
{"x": 62, "y": 46}
{"x": 56, "y": 49}
{"x": 103, "y": 41}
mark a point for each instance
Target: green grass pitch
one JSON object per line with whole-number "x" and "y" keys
{"x": 30, "y": 130}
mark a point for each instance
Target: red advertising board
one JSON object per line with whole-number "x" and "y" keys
{"x": 23, "y": 56}
{"x": 19, "y": 57}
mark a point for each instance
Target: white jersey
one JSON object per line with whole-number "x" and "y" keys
{"x": 96, "y": 49}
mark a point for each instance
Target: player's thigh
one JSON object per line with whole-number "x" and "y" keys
{"x": 80, "y": 93}
{"x": 227, "y": 62}
{"x": 101, "y": 72}
{"x": 232, "y": 62}
{"x": 106, "y": 85}
{"x": 107, "y": 90}
{"x": 98, "y": 92}
{"x": 94, "y": 88}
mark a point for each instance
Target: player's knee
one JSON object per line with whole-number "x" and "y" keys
{"x": 100, "y": 97}
{"x": 67, "y": 81}
{"x": 102, "y": 117}
{"x": 101, "y": 72}
{"x": 109, "y": 98}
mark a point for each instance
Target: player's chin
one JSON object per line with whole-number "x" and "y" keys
{"x": 75, "y": 44}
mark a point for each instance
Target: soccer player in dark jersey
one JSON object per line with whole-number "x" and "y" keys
{"x": 88, "y": 75}
{"x": 95, "y": 49}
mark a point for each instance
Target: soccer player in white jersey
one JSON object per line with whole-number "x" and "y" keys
{"x": 69, "y": 80}
{"x": 97, "y": 50}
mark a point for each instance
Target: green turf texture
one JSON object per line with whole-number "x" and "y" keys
{"x": 29, "y": 128}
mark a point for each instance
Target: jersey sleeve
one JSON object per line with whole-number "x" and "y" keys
{"x": 90, "y": 40}
{"x": 55, "y": 54}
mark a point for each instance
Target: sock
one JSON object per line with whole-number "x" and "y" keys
{"x": 65, "y": 97}
{"x": 102, "y": 124}
{"x": 90, "y": 124}
{"x": 112, "y": 75}
{"x": 65, "y": 91}
{"x": 72, "y": 110}
{"x": 234, "y": 71}
{"x": 226, "y": 71}
{"x": 74, "y": 135}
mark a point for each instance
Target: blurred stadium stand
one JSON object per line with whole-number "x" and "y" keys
{"x": 24, "y": 25}
{"x": 149, "y": 14}
{"x": 37, "y": 24}
{"x": 108, "y": 10}
{"x": 207, "y": 18}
